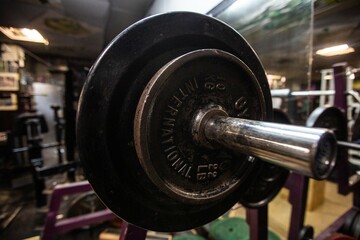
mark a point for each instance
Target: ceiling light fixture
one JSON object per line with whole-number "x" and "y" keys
{"x": 24, "y": 34}
{"x": 335, "y": 50}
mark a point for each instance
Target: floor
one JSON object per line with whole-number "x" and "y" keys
{"x": 279, "y": 211}
{"x": 30, "y": 219}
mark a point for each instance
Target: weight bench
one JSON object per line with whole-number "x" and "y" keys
{"x": 54, "y": 227}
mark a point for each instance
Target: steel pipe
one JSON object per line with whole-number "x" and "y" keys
{"x": 307, "y": 151}
{"x": 287, "y": 93}
{"x": 349, "y": 145}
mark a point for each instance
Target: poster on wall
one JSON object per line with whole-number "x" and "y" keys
{"x": 9, "y": 81}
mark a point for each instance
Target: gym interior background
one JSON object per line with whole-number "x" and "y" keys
{"x": 308, "y": 49}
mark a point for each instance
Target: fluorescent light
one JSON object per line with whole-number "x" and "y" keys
{"x": 32, "y": 34}
{"x": 335, "y": 50}
{"x": 24, "y": 34}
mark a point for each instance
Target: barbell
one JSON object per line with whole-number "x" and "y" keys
{"x": 174, "y": 126}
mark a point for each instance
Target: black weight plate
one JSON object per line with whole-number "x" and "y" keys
{"x": 306, "y": 233}
{"x": 346, "y": 227}
{"x": 280, "y": 116}
{"x": 165, "y": 118}
{"x": 355, "y": 227}
{"x": 331, "y": 118}
{"x": 266, "y": 183}
{"x": 107, "y": 109}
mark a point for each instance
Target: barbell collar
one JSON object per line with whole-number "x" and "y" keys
{"x": 308, "y": 151}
